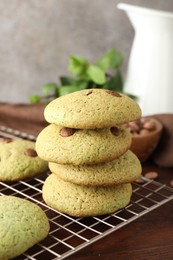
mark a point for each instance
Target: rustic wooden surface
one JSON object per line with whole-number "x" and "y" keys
{"x": 148, "y": 238}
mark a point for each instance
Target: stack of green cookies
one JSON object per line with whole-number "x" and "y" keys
{"x": 87, "y": 146}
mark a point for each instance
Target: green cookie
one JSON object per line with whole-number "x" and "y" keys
{"x": 22, "y": 225}
{"x": 124, "y": 169}
{"x": 76, "y": 146}
{"x": 84, "y": 201}
{"x": 92, "y": 108}
{"x": 19, "y": 160}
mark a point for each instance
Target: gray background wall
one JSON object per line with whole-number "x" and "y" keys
{"x": 37, "y": 37}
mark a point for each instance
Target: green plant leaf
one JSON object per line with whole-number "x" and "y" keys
{"x": 96, "y": 74}
{"x": 49, "y": 88}
{"x": 67, "y": 80}
{"x": 112, "y": 59}
{"x": 34, "y": 99}
{"x": 82, "y": 84}
{"x": 115, "y": 82}
{"x": 86, "y": 75}
{"x": 77, "y": 66}
{"x": 69, "y": 89}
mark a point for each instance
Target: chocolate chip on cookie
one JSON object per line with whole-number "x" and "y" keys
{"x": 30, "y": 152}
{"x": 87, "y": 92}
{"x": 115, "y": 131}
{"x": 65, "y": 131}
{"x": 6, "y": 140}
{"x": 113, "y": 93}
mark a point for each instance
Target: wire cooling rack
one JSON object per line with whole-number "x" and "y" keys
{"x": 67, "y": 234}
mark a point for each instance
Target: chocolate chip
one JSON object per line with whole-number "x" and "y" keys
{"x": 113, "y": 93}
{"x": 87, "y": 92}
{"x": 139, "y": 180}
{"x": 171, "y": 182}
{"x": 151, "y": 175}
{"x": 30, "y": 152}
{"x": 65, "y": 131}
{"x": 115, "y": 131}
{"x": 6, "y": 140}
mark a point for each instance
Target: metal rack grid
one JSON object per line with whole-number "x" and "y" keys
{"x": 67, "y": 234}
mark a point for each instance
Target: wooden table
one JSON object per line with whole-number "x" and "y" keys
{"x": 149, "y": 237}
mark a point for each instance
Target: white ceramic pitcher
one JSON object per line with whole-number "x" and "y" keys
{"x": 150, "y": 67}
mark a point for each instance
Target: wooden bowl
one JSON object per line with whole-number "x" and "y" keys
{"x": 146, "y": 136}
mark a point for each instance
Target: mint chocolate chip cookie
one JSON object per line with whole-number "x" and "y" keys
{"x": 19, "y": 160}
{"x": 22, "y": 225}
{"x": 92, "y": 108}
{"x": 84, "y": 201}
{"x": 124, "y": 169}
{"x": 82, "y": 146}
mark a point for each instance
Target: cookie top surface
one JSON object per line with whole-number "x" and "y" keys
{"x": 124, "y": 169}
{"x": 92, "y": 108}
{"x": 75, "y": 200}
{"x": 22, "y": 224}
{"x": 19, "y": 160}
{"x": 75, "y": 146}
